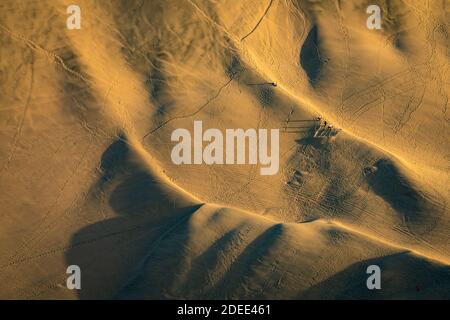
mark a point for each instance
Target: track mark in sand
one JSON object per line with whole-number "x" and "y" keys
{"x": 35, "y": 292}
{"x": 252, "y": 174}
{"x": 375, "y": 238}
{"x": 54, "y": 57}
{"x": 214, "y": 23}
{"x": 223, "y": 251}
{"x": 155, "y": 246}
{"x": 40, "y": 232}
{"x": 383, "y": 83}
{"x": 259, "y": 21}
{"x": 345, "y": 33}
{"x": 414, "y": 103}
{"x": 72, "y": 246}
{"x": 239, "y": 275}
{"x": 22, "y": 120}
{"x": 188, "y": 115}
{"x": 445, "y": 110}
{"x": 377, "y": 99}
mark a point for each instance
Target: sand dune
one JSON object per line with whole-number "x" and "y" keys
{"x": 85, "y": 137}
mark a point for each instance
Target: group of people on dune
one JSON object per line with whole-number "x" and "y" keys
{"x": 324, "y": 129}
{"x": 321, "y": 129}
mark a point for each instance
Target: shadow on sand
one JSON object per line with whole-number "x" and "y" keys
{"x": 403, "y": 276}
{"x": 107, "y": 250}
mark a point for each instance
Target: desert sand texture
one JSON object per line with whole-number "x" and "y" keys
{"x": 87, "y": 179}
